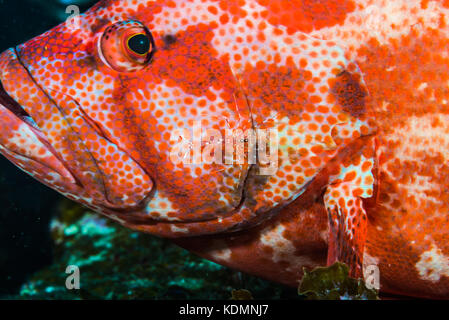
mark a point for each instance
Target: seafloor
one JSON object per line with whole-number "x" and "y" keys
{"x": 117, "y": 263}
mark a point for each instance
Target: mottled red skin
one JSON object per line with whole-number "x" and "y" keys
{"x": 357, "y": 90}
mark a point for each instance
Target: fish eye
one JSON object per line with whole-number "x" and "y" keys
{"x": 139, "y": 44}
{"x": 126, "y": 46}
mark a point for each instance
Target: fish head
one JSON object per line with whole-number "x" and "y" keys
{"x": 160, "y": 114}
{"x": 104, "y": 109}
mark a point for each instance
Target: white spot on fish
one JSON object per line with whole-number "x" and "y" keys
{"x": 433, "y": 265}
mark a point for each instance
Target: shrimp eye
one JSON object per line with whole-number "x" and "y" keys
{"x": 139, "y": 44}
{"x": 126, "y": 46}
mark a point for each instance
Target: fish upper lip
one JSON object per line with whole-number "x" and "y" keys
{"x": 12, "y": 105}
{"x": 9, "y": 103}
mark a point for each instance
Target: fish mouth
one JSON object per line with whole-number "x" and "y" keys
{"x": 21, "y": 139}
{"x": 12, "y": 105}
{"x": 9, "y": 103}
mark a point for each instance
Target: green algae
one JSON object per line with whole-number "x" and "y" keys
{"x": 241, "y": 294}
{"x": 334, "y": 283}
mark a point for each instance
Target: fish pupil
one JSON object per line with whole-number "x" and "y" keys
{"x": 140, "y": 44}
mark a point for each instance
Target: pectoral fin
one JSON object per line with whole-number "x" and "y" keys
{"x": 347, "y": 217}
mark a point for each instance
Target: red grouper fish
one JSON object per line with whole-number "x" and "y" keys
{"x": 265, "y": 135}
